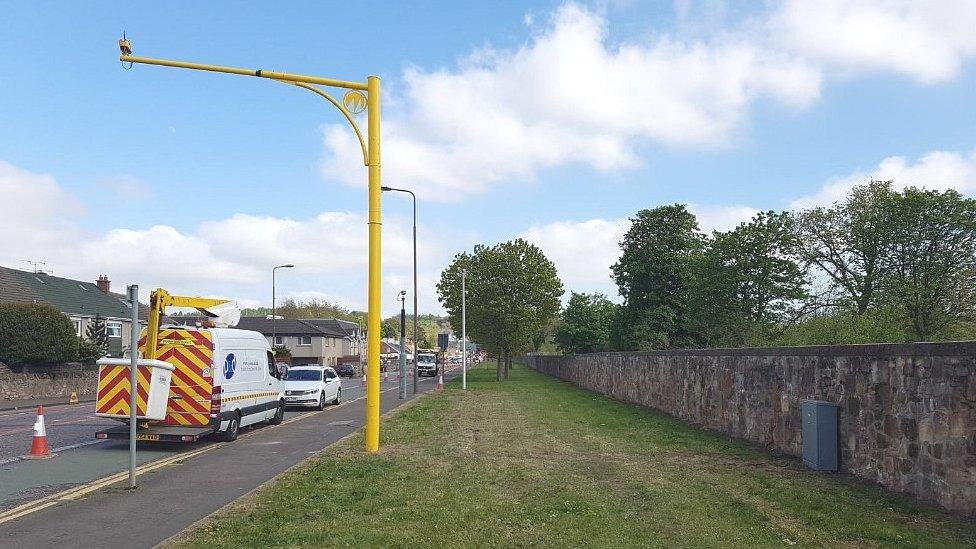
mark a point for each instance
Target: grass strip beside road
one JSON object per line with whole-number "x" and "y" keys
{"x": 535, "y": 461}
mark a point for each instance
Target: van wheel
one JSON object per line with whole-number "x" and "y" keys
{"x": 233, "y": 429}
{"x": 321, "y": 405}
{"x": 338, "y": 396}
{"x": 279, "y": 414}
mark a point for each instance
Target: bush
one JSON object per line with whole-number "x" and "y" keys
{"x": 88, "y": 351}
{"x": 882, "y": 325}
{"x": 282, "y": 352}
{"x": 35, "y": 333}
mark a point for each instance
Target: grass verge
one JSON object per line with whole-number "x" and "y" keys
{"x": 534, "y": 461}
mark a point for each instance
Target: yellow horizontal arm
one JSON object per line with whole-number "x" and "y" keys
{"x": 285, "y": 76}
{"x": 194, "y": 302}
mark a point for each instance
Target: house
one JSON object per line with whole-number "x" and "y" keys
{"x": 322, "y": 341}
{"x": 80, "y": 301}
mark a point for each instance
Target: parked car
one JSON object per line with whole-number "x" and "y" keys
{"x": 426, "y": 364}
{"x": 456, "y": 360}
{"x": 312, "y": 386}
{"x": 346, "y": 370}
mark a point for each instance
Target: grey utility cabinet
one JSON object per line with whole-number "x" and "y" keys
{"x": 819, "y": 435}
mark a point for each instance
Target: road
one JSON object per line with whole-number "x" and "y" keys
{"x": 67, "y": 425}
{"x": 80, "y": 458}
{"x": 176, "y": 492}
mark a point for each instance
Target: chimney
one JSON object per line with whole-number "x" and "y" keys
{"x": 104, "y": 284}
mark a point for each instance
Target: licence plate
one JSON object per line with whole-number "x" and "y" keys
{"x": 147, "y": 437}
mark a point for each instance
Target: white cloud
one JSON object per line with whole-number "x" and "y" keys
{"x": 230, "y": 257}
{"x": 573, "y": 94}
{"x": 938, "y": 170}
{"x": 569, "y": 95}
{"x": 35, "y": 215}
{"x": 584, "y": 251}
{"x": 720, "y": 218}
{"x": 927, "y": 41}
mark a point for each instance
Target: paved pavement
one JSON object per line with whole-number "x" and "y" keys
{"x": 172, "y": 497}
{"x": 80, "y": 458}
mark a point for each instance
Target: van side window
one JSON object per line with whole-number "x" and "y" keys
{"x": 272, "y": 366}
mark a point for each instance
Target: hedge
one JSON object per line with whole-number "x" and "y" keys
{"x": 35, "y": 333}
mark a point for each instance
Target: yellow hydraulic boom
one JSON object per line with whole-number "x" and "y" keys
{"x": 159, "y": 300}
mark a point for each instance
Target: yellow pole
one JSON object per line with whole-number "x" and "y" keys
{"x": 375, "y": 226}
{"x": 372, "y": 88}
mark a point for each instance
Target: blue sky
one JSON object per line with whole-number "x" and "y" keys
{"x": 553, "y": 121}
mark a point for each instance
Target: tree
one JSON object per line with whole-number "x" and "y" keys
{"x": 654, "y": 276}
{"x": 35, "y": 333}
{"x": 933, "y": 264}
{"x": 96, "y": 335}
{"x": 851, "y": 242}
{"x": 390, "y": 327}
{"x": 512, "y": 295}
{"x": 586, "y": 323}
{"x": 746, "y": 281}
{"x": 313, "y": 308}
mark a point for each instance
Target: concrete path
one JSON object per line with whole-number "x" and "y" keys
{"x": 175, "y": 492}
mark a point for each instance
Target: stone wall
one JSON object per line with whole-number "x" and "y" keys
{"x": 47, "y": 381}
{"x": 907, "y": 412}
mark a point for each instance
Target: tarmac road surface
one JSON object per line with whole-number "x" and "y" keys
{"x": 175, "y": 492}
{"x": 66, "y": 425}
{"x": 80, "y": 457}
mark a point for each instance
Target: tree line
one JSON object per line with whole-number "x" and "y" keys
{"x": 428, "y": 325}
{"x": 882, "y": 265}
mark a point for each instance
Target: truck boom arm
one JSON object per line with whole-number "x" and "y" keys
{"x": 159, "y": 300}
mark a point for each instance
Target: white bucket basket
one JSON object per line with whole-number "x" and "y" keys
{"x": 160, "y": 374}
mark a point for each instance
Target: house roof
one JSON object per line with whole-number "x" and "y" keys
{"x": 318, "y": 327}
{"x": 334, "y": 325}
{"x": 289, "y": 327}
{"x": 72, "y": 297}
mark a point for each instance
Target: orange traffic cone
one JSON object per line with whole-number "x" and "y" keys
{"x": 39, "y": 447}
{"x": 386, "y": 375}
{"x": 440, "y": 382}
{"x": 364, "y": 379}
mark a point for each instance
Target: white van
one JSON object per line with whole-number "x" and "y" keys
{"x": 223, "y": 379}
{"x": 251, "y": 390}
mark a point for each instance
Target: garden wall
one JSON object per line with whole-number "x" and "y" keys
{"x": 907, "y": 412}
{"x": 29, "y": 382}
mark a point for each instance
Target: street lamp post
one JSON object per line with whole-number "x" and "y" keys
{"x": 354, "y": 102}
{"x": 415, "y": 340}
{"x": 464, "y": 330}
{"x": 274, "y": 314}
{"x": 403, "y": 345}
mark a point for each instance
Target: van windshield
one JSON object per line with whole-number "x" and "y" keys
{"x": 304, "y": 375}
{"x": 425, "y": 358}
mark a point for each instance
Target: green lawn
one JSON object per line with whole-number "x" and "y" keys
{"x": 537, "y": 462}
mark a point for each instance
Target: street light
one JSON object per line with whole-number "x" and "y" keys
{"x": 354, "y": 101}
{"x": 385, "y": 189}
{"x": 274, "y": 314}
{"x": 464, "y": 330}
{"x": 403, "y": 345}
